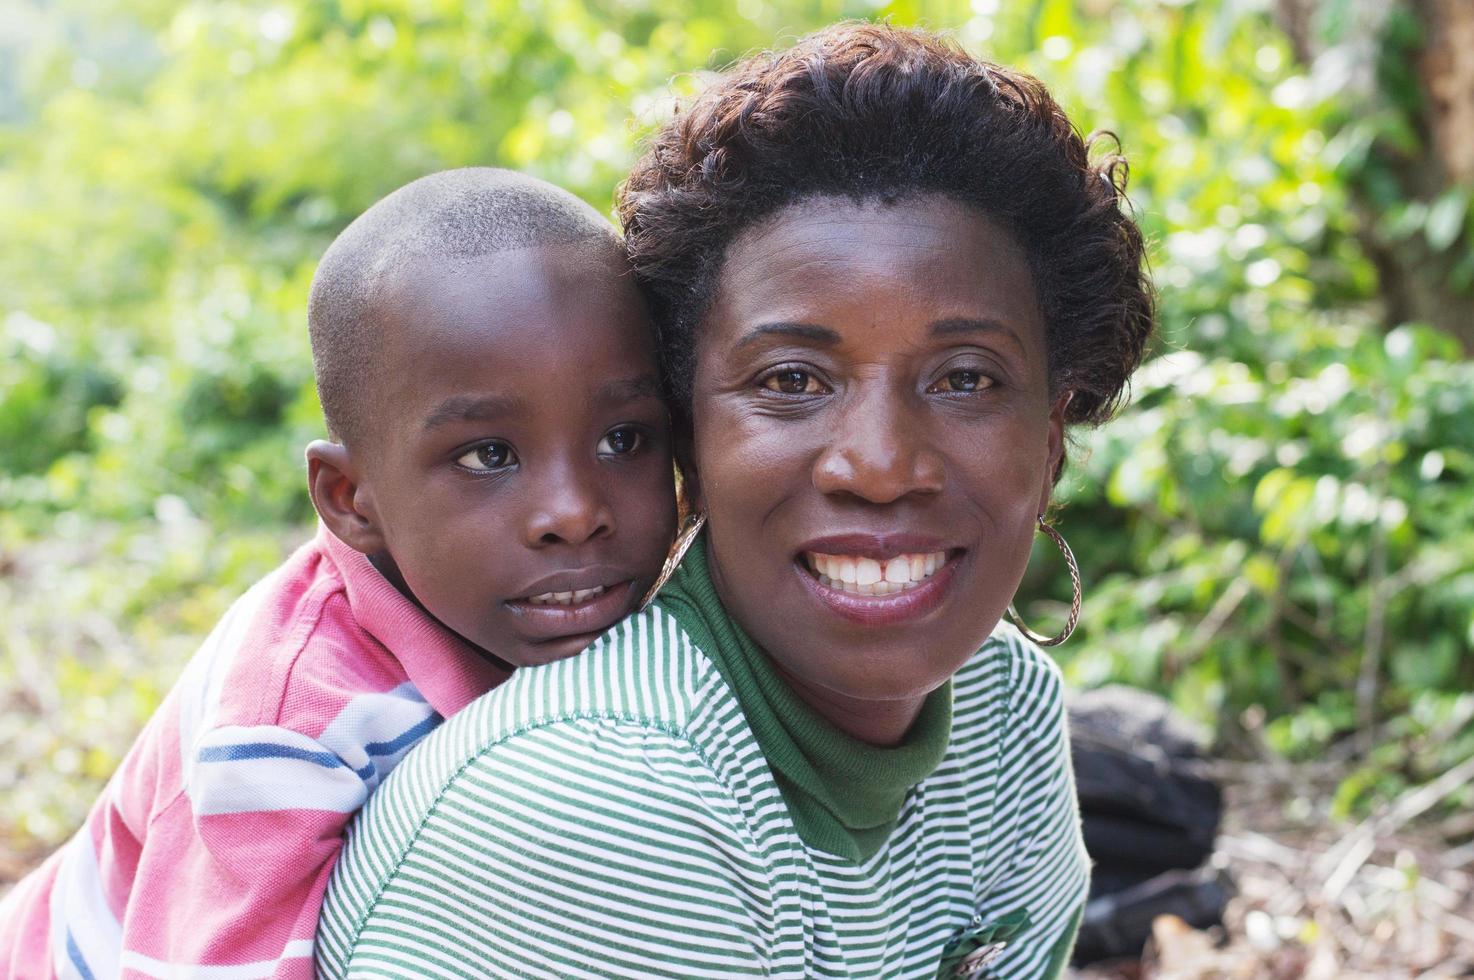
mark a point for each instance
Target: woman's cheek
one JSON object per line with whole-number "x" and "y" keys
{"x": 768, "y": 445}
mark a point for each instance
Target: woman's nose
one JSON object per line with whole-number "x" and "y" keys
{"x": 880, "y": 452}
{"x": 569, "y": 508}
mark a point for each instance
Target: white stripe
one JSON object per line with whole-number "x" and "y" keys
{"x": 376, "y": 718}
{"x": 295, "y": 950}
{"x": 79, "y": 909}
{"x": 203, "y": 679}
{"x": 255, "y": 784}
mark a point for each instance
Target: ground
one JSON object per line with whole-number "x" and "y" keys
{"x": 1322, "y": 900}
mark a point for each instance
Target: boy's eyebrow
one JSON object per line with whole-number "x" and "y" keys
{"x": 484, "y": 408}
{"x": 472, "y": 408}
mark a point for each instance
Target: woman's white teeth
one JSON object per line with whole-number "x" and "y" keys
{"x": 866, "y": 576}
{"x": 565, "y": 598}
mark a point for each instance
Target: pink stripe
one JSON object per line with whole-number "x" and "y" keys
{"x": 264, "y": 870}
{"x": 25, "y": 924}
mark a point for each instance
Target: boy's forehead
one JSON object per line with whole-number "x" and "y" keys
{"x": 429, "y": 279}
{"x": 426, "y": 291}
{"x": 476, "y": 323}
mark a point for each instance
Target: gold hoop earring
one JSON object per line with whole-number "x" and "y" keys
{"x": 1074, "y": 619}
{"x": 682, "y": 544}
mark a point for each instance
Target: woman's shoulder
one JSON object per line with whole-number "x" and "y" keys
{"x": 1008, "y": 722}
{"x": 1011, "y": 672}
{"x": 644, "y": 672}
{"x": 1017, "y": 782}
{"x": 643, "y": 677}
{"x": 608, "y": 750}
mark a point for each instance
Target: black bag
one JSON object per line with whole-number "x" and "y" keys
{"x": 1149, "y": 814}
{"x": 1117, "y": 924}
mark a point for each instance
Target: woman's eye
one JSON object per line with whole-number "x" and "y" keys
{"x": 621, "y": 441}
{"x": 793, "y": 382}
{"x": 492, "y": 456}
{"x": 963, "y": 380}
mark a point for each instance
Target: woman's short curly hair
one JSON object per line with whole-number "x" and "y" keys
{"x": 871, "y": 111}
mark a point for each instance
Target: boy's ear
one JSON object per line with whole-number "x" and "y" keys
{"x": 341, "y": 499}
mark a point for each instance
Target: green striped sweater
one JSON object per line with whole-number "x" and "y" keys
{"x": 611, "y": 815}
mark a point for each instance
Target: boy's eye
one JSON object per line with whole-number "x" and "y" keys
{"x": 793, "y": 381}
{"x": 491, "y": 456}
{"x": 618, "y": 442}
{"x": 963, "y": 380}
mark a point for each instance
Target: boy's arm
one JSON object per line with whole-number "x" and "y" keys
{"x": 233, "y": 872}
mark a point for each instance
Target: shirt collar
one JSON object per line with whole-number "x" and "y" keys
{"x": 844, "y": 796}
{"x": 447, "y": 670}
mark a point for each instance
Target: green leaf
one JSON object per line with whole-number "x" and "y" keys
{"x": 1446, "y": 219}
{"x": 1429, "y": 664}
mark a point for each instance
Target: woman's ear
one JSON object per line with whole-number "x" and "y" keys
{"x": 1056, "y": 449}
{"x": 691, "y": 500}
{"x": 341, "y": 498}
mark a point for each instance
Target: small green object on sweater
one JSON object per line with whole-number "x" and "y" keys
{"x": 844, "y": 795}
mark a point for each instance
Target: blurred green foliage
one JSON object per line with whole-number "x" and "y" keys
{"x": 1288, "y": 495}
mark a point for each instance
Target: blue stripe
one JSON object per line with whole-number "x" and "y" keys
{"x": 270, "y": 750}
{"x": 267, "y": 750}
{"x": 409, "y": 737}
{"x": 76, "y": 955}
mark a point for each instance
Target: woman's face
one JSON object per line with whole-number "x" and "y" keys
{"x": 873, "y": 439}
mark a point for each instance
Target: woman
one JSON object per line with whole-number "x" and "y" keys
{"x": 887, "y": 277}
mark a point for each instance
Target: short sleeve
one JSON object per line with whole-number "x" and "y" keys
{"x": 1049, "y": 871}
{"x": 586, "y": 848}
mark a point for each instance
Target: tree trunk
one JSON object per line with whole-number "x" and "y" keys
{"x": 1446, "y": 67}
{"x": 1415, "y": 279}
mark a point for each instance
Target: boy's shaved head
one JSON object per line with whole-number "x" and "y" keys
{"x": 446, "y": 217}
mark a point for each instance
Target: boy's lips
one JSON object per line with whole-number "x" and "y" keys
{"x": 570, "y": 604}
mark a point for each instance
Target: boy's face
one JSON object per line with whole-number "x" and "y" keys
{"x": 518, "y": 464}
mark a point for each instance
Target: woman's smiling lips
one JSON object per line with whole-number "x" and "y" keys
{"x": 573, "y": 603}
{"x": 878, "y": 580}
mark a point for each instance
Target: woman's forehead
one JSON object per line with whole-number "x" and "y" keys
{"x": 929, "y": 256}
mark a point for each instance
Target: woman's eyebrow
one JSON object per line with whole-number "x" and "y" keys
{"x": 960, "y": 325}
{"x": 803, "y": 331}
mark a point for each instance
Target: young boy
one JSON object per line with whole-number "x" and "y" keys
{"x": 497, "y": 492}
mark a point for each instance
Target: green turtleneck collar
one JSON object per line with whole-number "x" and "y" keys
{"x": 844, "y": 795}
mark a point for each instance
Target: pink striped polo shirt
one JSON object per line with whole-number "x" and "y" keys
{"x": 209, "y": 850}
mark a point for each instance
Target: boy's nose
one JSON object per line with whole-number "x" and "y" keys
{"x": 571, "y": 512}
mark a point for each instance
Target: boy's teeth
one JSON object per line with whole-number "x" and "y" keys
{"x": 866, "y": 576}
{"x": 565, "y": 598}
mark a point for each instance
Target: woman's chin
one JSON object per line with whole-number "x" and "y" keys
{"x": 888, "y": 673}
{"x": 880, "y": 687}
